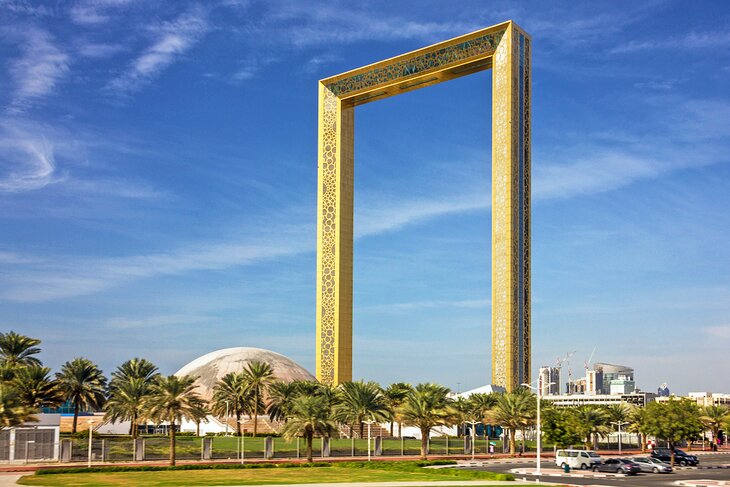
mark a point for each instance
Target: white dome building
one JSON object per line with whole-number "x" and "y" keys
{"x": 214, "y": 365}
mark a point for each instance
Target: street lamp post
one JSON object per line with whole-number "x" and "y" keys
{"x": 473, "y": 436}
{"x": 91, "y": 434}
{"x": 538, "y": 389}
{"x": 243, "y": 441}
{"x": 619, "y": 424}
{"x": 369, "y": 422}
{"x": 26, "y": 449}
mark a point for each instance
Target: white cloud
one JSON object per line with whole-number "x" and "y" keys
{"x": 172, "y": 40}
{"x": 101, "y": 50}
{"x": 27, "y": 161}
{"x": 721, "y": 331}
{"x": 38, "y": 70}
{"x": 93, "y": 12}
{"x": 690, "y": 41}
{"x": 156, "y": 321}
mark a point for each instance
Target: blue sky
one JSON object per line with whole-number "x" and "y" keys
{"x": 158, "y": 175}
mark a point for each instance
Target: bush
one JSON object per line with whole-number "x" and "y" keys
{"x": 160, "y": 468}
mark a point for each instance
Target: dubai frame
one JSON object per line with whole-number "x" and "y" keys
{"x": 505, "y": 48}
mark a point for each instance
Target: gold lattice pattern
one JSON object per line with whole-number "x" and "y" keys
{"x": 328, "y": 207}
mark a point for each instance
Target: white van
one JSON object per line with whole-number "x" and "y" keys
{"x": 582, "y": 459}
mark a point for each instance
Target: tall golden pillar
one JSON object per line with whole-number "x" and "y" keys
{"x": 506, "y": 49}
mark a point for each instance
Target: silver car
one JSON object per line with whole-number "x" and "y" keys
{"x": 649, "y": 464}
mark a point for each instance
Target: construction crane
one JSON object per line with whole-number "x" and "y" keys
{"x": 565, "y": 360}
{"x": 587, "y": 363}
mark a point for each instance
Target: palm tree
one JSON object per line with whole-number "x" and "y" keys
{"x": 309, "y": 416}
{"x": 127, "y": 402}
{"x": 713, "y": 417}
{"x": 258, "y": 376}
{"x": 593, "y": 421}
{"x": 637, "y": 425}
{"x": 231, "y": 395}
{"x": 281, "y": 395}
{"x": 17, "y": 350}
{"x": 171, "y": 399}
{"x": 361, "y": 401}
{"x": 12, "y": 410}
{"x": 35, "y": 388}
{"x": 426, "y": 407}
{"x": 395, "y": 394}
{"x": 136, "y": 368}
{"x": 512, "y": 411}
{"x": 83, "y": 384}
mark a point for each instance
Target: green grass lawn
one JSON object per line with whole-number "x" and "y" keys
{"x": 386, "y": 472}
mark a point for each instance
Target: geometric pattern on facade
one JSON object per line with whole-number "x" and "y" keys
{"x": 505, "y": 48}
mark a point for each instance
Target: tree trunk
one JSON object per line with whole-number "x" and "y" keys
{"x": 362, "y": 429}
{"x": 424, "y": 442}
{"x": 255, "y": 413}
{"x": 512, "y": 441}
{"x": 172, "y": 442}
{"x": 671, "y": 452}
{"x": 310, "y": 438}
{"x": 392, "y": 426}
{"x": 76, "y": 417}
{"x": 238, "y": 422}
{"x": 133, "y": 427}
{"x": 643, "y": 442}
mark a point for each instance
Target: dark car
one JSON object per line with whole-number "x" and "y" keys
{"x": 680, "y": 457}
{"x": 618, "y": 465}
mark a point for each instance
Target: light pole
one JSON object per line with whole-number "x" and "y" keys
{"x": 91, "y": 434}
{"x": 539, "y": 426}
{"x": 473, "y": 436}
{"x": 243, "y": 441}
{"x": 619, "y": 424}
{"x": 369, "y": 422}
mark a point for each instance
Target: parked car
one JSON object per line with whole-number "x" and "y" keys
{"x": 582, "y": 459}
{"x": 680, "y": 457}
{"x": 649, "y": 464}
{"x": 618, "y": 465}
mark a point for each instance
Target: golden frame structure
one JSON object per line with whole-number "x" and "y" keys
{"x": 505, "y": 48}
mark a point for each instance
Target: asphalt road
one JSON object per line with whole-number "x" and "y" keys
{"x": 640, "y": 480}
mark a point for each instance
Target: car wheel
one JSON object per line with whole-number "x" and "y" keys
{"x": 583, "y": 466}
{"x": 562, "y": 465}
{"x": 618, "y": 470}
{"x": 656, "y": 470}
{"x": 683, "y": 463}
{"x": 595, "y": 469}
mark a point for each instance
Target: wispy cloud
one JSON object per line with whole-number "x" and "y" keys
{"x": 93, "y": 12}
{"x": 27, "y": 161}
{"x": 721, "y": 331}
{"x": 690, "y": 41}
{"x": 156, "y": 321}
{"x": 422, "y": 305}
{"x": 39, "y": 69}
{"x": 99, "y": 50}
{"x": 172, "y": 40}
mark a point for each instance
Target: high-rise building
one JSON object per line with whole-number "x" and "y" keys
{"x": 549, "y": 380}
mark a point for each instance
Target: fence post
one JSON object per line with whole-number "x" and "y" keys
{"x": 378, "y": 449}
{"x": 402, "y": 449}
{"x": 268, "y": 447}
{"x": 352, "y": 445}
{"x": 139, "y": 449}
{"x": 207, "y": 447}
{"x": 467, "y": 445}
{"x": 66, "y": 450}
{"x": 297, "y": 447}
{"x": 103, "y": 450}
{"x": 447, "y": 444}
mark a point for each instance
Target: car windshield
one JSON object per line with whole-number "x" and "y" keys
{"x": 679, "y": 452}
{"x": 594, "y": 455}
{"x": 642, "y": 460}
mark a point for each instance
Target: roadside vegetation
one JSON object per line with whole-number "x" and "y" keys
{"x": 138, "y": 393}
